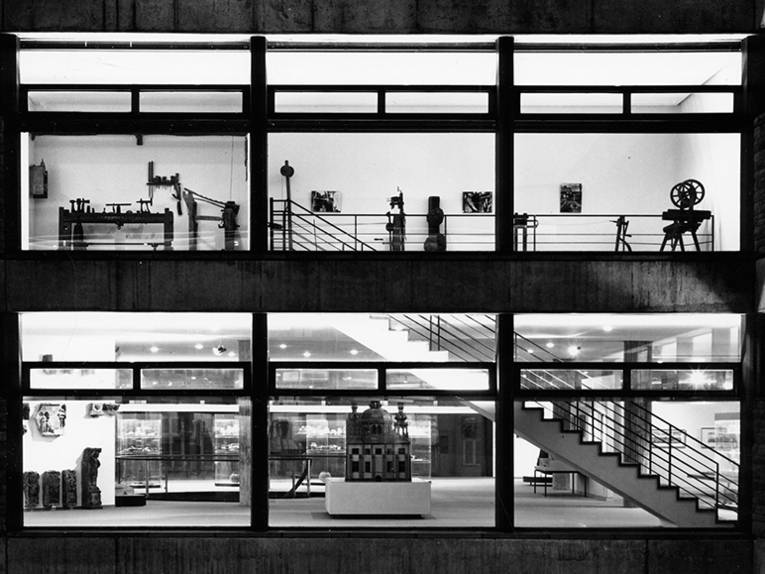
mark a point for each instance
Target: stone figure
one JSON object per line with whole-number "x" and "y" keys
{"x": 436, "y": 241}
{"x": 89, "y": 463}
{"x": 31, "y": 490}
{"x": 69, "y": 491}
{"x": 51, "y": 489}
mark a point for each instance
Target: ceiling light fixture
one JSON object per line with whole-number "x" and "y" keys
{"x": 199, "y": 346}
{"x": 608, "y": 328}
{"x": 573, "y": 350}
{"x": 549, "y": 344}
{"x": 306, "y": 354}
{"x": 154, "y": 349}
{"x": 354, "y": 352}
{"x": 283, "y": 346}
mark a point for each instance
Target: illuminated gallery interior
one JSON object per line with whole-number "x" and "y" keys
{"x": 165, "y": 401}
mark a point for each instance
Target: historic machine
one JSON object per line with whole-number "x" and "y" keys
{"x": 685, "y": 219}
{"x": 377, "y": 445}
{"x": 396, "y": 226}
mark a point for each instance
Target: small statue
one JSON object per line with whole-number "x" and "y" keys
{"x": 51, "y": 493}
{"x": 61, "y": 414}
{"x": 69, "y": 495}
{"x": 436, "y": 241}
{"x": 91, "y": 494}
{"x": 396, "y": 226}
{"x": 31, "y": 490}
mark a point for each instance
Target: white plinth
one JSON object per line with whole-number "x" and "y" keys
{"x": 377, "y": 498}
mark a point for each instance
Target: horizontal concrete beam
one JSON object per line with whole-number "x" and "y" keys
{"x": 374, "y": 555}
{"x": 391, "y": 16}
{"x": 722, "y": 283}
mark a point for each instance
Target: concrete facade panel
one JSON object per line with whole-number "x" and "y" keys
{"x": 702, "y": 556}
{"x": 215, "y": 15}
{"x": 53, "y": 15}
{"x": 286, "y": 16}
{"x": 365, "y": 16}
{"x": 154, "y": 16}
{"x": 658, "y": 16}
{"x": 720, "y": 285}
{"x": 62, "y": 555}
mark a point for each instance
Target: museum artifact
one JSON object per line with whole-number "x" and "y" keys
{"x": 522, "y": 223}
{"x": 377, "y": 445}
{"x": 325, "y": 201}
{"x": 396, "y": 226}
{"x": 31, "y": 490}
{"x": 89, "y": 463}
{"x": 38, "y": 181}
{"x": 69, "y": 488}
{"x": 50, "y": 419}
{"x": 685, "y": 219}
{"x": 477, "y": 202}
{"x": 101, "y": 409}
{"x": 621, "y": 234}
{"x": 51, "y": 489}
{"x": 226, "y": 220}
{"x": 71, "y": 233}
{"x": 436, "y": 241}
{"x": 571, "y": 198}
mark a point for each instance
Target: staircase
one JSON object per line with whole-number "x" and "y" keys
{"x": 297, "y": 228}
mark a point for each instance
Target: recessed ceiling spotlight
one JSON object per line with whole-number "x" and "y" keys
{"x": 231, "y": 354}
{"x": 530, "y": 351}
{"x": 354, "y": 352}
{"x": 283, "y": 346}
{"x": 199, "y": 346}
{"x": 573, "y": 350}
{"x": 154, "y": 349}
{"x": 306, "y": 354}
{"x": 549, "y": 344}
{"x": 608, "y": 328}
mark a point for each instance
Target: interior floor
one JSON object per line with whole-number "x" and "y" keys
{"x": 455, "y": 503}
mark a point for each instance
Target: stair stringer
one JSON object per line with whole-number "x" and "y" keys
{"x": 606, "y": 468}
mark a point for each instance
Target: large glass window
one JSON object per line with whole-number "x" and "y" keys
{"x": 112, "y": 192}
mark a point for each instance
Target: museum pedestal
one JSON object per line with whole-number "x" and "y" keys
{"x": 377, "y": 498}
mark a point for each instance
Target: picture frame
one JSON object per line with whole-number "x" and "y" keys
{"x": 661, "y": 438}
{"x": 477, "y": 202}
{"x": 571, "y": 198}
{"x": 326, "y": 201}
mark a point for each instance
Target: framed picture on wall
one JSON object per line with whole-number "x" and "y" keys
{"x": 326, "y": 201}
{"x": 662, "y": 438}
{"x": 477, "y": 201}
{"x": 571, "y": 198}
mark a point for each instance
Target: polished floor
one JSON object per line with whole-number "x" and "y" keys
{"x": 456, "y": 503}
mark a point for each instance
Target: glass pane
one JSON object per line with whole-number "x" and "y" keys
{"x": 413, "y": 337}
{"x": 682, "y": 103}
{"x": 134, "y": 66}
{"x": 571, "y": 103}
{"x": 436, "y": 103}
{"x": 131, "y": 463}
{"x": 399, "y": 68}
{"x": 411, "y": 462}
{"x": 599, "y": 68}
{"x": 326, "y": 102}
{"x": 81, "y": 378}
{"x": 617, "y": 192}
{"x": 438, "y": 379}
{"x": 568, "y": 380}
{"x": 192, "y": 378}
{"x": 586, "y": 475}
{"x": 133, "y": 337}
{"x": 682, "y": 380}
{"x": 326, "y": 379}
{"x": 161, "y": 199}
{"x": 79, "y": 101}
{"x": 200, "y": 102}
{"x": 344, "y": 186}
{"x": 685, "y": 337}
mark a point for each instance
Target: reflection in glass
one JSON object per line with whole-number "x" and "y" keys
{"x": 682, "y": 380}
{"x": 438, "y": 379}
{"x": 568, "y": 380}
{"x": 138, "y": 462}
{"x": 81, "y": 378}
{"x": 79, "y": 101}
{"x": 187, "y": 102}
{"x": 192, "y": 379}
{"x": 326, "y": 379}
{"x": 312, "y": 442}
{"x": 681, "y": 337}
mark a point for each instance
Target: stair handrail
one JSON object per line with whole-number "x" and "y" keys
{"x": 419, "y": 324}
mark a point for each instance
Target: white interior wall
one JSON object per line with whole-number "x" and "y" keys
{"x": 42, "y": 453}
{"x": 112, "y": 168}
{"x": 692, "y": 416}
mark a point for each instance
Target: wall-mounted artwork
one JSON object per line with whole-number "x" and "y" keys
{"x": 477, "y": 201}
{"x": 571, "y": 198}
{"x": 326, "y": 201}
{"x": 50, "y": 419}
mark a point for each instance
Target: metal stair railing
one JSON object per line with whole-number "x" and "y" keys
{"x": 449, "y": 333}
{"x": 299, "y": 225}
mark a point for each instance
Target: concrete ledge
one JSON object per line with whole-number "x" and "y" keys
{"x": 377, "y": 498}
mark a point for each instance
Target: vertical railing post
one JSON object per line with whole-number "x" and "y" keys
{"x": 650, "y": 448}
{"x": 717, "y": 486}
{"x": 356, "y": 233}
{"x": 669, "y": 456}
